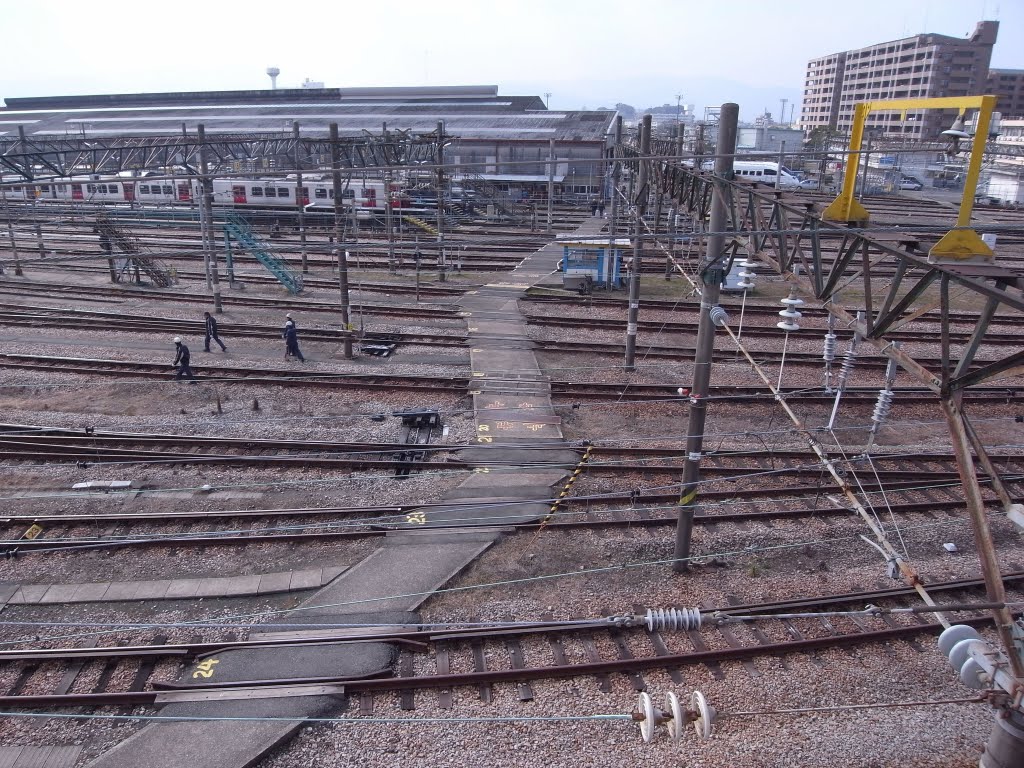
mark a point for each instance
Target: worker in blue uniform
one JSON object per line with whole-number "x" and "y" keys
{"x": 211, "y": 332}
{"x": 291, "y": 340}
{"x": 182, "y": 359}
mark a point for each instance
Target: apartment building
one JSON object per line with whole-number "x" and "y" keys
{"x": 926, "y": 65}
{"x": 1008, "y": 85}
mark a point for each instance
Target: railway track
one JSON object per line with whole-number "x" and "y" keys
{"x": 429, "y": 312}
{"x": 564, "y": 390}
{"x": 151, "y": 674}
{"x": 752, "y": 307}
{"x": 41, "y": 316}
{"x": 634, "y": 510}
{"x": 44, "y": 444}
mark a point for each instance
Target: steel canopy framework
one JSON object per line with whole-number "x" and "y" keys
{"x": 44, "y": 158}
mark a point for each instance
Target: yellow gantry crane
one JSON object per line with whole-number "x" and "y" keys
{"x": 957, "y": 245}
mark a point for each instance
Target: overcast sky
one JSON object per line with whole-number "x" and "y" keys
{"x": 585, "y": 54}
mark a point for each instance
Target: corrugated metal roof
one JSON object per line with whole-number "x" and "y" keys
{"x": 466, "y": 115}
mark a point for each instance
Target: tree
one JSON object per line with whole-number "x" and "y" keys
{"x": 628, "y": 112}
{"x": 820, "y": 137}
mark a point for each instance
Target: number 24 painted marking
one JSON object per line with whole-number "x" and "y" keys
{"x": 205, "y": 669}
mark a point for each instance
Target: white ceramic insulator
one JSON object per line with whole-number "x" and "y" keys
{"x": 882, "y": 406}
{"x": 673, "y": 619}
{"x": 830, "y": 347}
{"x": 849, "y": 358}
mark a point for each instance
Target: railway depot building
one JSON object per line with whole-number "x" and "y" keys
{"x": 505, "y": 140}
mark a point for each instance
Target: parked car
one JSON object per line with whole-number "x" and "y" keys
{"x": 909, "y": 182}
{"x": 808, "y": 184}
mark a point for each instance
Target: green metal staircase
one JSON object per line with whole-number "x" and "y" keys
{"x": 237, "y": 228}
{"x": 494, "y": 196}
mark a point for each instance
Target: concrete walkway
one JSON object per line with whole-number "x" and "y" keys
{"x": 519, "y": 458}
{"x": 39, "y": 757}
{"x": 169, "y": 589}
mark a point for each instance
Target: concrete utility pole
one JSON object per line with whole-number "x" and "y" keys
{"x": 339, "y": 231}
{"x": 616, "y": 174}
{"x": 638, "y": 233}
{"x": 388, "y": 221}
{"x": 440, "y": 201}
{"x": 712, "y": 274}
{"x": 551, "y": 183}
{"x": 10, "y": 233}
{"x": 674, "y": 210}
{"x": 864, "y": 173}
{"x": 207, "y": 222}
{"x": 782, "y": 158}
{"x": 300, "y": 199}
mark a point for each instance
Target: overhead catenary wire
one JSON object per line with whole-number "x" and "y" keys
{"x": 470, "y": 720}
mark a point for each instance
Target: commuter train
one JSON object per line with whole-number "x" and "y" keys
{"x": 317, "y": 193}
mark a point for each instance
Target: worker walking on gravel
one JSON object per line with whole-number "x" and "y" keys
{"x": 211, "y": 332}
{"x": 182, "y": 359}
{"x": 291, "y": 340}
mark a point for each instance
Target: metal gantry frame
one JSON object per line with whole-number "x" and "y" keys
{"x": 962, "y": 243}
{"x": 821, "y": 258}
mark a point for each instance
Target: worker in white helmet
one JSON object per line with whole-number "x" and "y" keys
{"x": 291, "y": 340}
{"x": 181, "y": 360}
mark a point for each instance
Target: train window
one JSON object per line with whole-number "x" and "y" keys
{"x": 349, "y": 193}
{"x": 90, "y": 188}
{"x": 45, "y": 188}
{"x": 257, "y": 191}
{"x": 769, "y": 171}
{"x": 144, "y": 189}
{"x": 168, "y": 189}
{"x": 283, "y": 192}
{"x": 271, "y": 191}
{"x": 102, "y": 189}
{"x": 62, "y": 187}
{"x": 321, "y": 193}
{"x": 112, "y": 189}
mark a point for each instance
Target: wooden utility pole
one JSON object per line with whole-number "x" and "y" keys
{"x": 638, "y": 233}
{"x": 339, "y": 232}
{"x": 712, "y": 274}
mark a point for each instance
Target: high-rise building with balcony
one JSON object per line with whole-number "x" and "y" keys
{"x": 922, "y": 66}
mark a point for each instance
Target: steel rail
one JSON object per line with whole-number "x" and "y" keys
{"x": 376, "y": 529}
{"x": 621, "y": 665}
